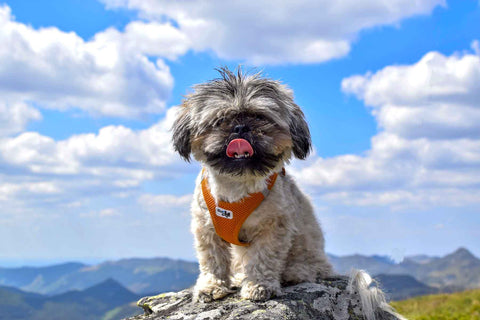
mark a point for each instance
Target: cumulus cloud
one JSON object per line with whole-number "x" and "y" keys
{"x": 428, "y": 148}
{"x": 434, "y": 98}
{"x": 110, "y": 74}
{"x": 15, "y": 116}
{"x": 111, "y": 161}
{"x": 116, "y": 73}
{"x": 113, "y": 149}
{"x": 265, "y": 32}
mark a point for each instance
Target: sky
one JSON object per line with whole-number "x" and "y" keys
{"x": 89, "y": 89}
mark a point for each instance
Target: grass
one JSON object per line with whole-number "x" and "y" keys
{"x": 122, "y": 312}
{"x": 455, "y": 306}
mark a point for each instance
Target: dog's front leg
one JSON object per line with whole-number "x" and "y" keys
{"x": 264, "y": 261}
{"x": 214, "y": 259}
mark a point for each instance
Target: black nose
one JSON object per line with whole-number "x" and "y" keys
{"x": 241, "y": 128}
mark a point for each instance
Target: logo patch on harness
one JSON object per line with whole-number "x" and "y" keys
{"x": 224, "y": 213}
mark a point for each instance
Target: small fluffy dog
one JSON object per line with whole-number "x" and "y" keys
{"x": 244, "y": 129}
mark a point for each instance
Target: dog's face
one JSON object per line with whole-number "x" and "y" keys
{"x": 241, "y": 125}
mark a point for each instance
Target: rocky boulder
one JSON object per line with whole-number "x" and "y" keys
{"x": 339, "y": 298}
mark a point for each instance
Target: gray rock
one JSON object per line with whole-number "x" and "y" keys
{"x": 339, "y": 298}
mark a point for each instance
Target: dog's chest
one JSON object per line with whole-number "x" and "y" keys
{"x": 260, "y": 220}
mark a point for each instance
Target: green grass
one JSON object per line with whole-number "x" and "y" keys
{"x": 456, "y": 306}
{"x": 122, "y": 312}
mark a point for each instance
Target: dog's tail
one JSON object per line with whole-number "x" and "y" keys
{"x": 372, "y": 298}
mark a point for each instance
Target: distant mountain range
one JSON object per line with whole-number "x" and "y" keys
{"x": 98, "y": 302}
{"x": 415, "y": 275}
{"x": 401, "y": 286}
{"x": 142, "y": 276}
{"x": 459, "y": 270}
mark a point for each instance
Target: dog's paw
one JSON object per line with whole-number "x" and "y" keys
{"x": 210, "y": 293}
{"x": 259, "y": 292}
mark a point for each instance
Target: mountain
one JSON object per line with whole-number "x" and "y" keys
{"x": 372, "y": 264}
{"x": 108, "y": 292}
{"x": 454, "y": 272}
{"x": 143, "y": 276}
{"x": 37, "y": 279}
{"x": 16, "y": 304}
{"x": 457, "y": 271}
{"x": 398, "y": 287}
{"x": 421, "y": 258}
{"x": 91, "y": 304}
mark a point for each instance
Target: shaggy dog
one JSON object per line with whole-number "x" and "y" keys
{"x": 244, "y": 129}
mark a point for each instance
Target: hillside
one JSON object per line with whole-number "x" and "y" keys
{"x": 91, "y": 304}
{"x": 457, "y": 271}
{"x": 142, "y": 276}
{"x": 416, "y": 275}
{"x": 456, "y": 306}
{"x": 38, "y": 279}
{"x": 398, "y": 287}
{"x": 373, "y": 264}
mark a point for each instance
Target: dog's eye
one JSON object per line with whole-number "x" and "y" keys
{"x": 219, "y": 122}
{"x": 260, "y": 117}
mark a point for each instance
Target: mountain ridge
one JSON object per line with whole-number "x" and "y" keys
{"x": 140, "y": 275}
{"x": 89, "y": 304}
{"x": 453, "y": 272}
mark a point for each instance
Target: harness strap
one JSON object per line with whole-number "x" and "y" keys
{"x": 228, "y": 217}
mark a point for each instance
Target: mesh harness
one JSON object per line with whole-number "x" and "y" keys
{"x": 228, "y": 217}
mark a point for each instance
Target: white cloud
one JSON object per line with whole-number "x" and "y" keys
{"x": 476, "y": 47}
{"x": 158, "y": 203}
{"x": 113, "y": 162}
{"x": 116, "y": 152}
{"x": 112, "y": 75}
{"x": 154, "y": 39}
{"x": 15, "y": 116}
{"x": 107, "y": 75}
{"x": 435, "y": 98}
{"x": 435, "y": 78}
{"x": 265, "y": 32}
{"x": 403, "y": 199}
{"x": 103, "y": 213}
{"x": 41, "y": 188}
{"x": 428, "y": 149}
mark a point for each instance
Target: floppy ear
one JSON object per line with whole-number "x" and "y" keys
{"x": 181, "y": 133}
{"x": 302, "y": 143}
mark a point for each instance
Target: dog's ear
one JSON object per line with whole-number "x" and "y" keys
{"x": 302, "y": 143}
{"x": 181, "y": 133}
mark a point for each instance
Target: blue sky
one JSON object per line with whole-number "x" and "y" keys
{"x": 88, "y": 90}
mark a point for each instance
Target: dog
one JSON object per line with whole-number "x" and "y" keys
{"x": 244, "y": 128}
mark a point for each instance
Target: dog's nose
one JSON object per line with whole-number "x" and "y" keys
{"x": 241, "y": 128}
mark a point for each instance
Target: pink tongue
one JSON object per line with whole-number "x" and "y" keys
{"x": 240, "y": 147}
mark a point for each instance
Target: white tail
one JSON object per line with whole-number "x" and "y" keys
{"x": 371, "y": 297}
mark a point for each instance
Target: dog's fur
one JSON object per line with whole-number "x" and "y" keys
{"x": 286, "y": 242}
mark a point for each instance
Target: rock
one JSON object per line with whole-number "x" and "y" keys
{"x": 339, "y": 298}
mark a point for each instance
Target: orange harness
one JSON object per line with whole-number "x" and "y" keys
{"x": 228, "y": 217}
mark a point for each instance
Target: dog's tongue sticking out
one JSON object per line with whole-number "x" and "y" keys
{"x": 239, "y": 148}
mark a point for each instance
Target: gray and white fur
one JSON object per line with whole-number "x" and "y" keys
{"x": 286, "y": 241}
{"x": 373, "y": 301}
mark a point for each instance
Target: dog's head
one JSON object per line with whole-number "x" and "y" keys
{"x": 241, "y": 125}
